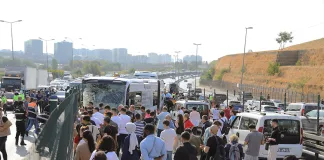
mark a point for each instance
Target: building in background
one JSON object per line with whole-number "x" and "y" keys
{"x": 192, "y": 58}
{"x": 153, "y": 58}
{"x": 165, "y": 58}
{"x": 63, "y": 52}
{"x": 105, "y": 54}
{"x": 34, "y": 47}
{"x": 119, "y": 55}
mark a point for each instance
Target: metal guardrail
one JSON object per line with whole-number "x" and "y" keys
{"x": 314, "y": 144}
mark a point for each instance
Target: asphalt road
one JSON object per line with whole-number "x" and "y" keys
{"x": 17, "y": 152}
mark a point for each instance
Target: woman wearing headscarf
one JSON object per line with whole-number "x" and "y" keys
{"x": 131, "y": 149}
{"x": 4, "y": 132}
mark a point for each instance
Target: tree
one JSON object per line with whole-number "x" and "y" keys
{"x": 54, "y": 64}
{"x": 92, "y": 68}
{"x": 131, "y": 71}
{"x": 283, "y": 38}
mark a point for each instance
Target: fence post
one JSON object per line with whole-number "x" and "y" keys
{"x": 318, "y": 130}
{"x": 285, "y": 101}
{"x": 243, "y": 101}
{"x": 53, "y": 103}
{"x": 295, "y": 97}
{"x": 204, "y": 95}
{"x": 227, "y": 97}
{"x": 260, "y": 100}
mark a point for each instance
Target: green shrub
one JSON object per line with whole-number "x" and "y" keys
{"x": 220, "y": 75}
{"x": 298, "y": 63}
{"x": 273, "y": 68}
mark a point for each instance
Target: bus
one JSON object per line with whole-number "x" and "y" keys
{"x": 146, "y": 75}
{"x": 114, "y": 91}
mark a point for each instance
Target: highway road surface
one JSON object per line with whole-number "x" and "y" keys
{"x": 17, "y": 152}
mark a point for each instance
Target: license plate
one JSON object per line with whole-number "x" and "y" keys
{"x": 283, "y": 150}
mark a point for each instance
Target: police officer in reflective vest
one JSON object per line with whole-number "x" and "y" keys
{"x": 20, "y": 114}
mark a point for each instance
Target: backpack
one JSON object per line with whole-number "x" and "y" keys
{"x": 220, "y": 150}
{"x": 226, "y": 127}
{"x": 234, "y": 152}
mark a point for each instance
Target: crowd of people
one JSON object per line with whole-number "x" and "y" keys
{"x": 123, "y": 133}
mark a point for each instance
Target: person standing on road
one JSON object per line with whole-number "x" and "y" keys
{"x": 253, "y": 140}
{"x": 40, "y": 100}
{"x": 84, "y": 150}
{"x": 215, "y": 113}
{"x": 140, "y": 124}
{"x": 187, "y": 150}
{"x": 131, "y": 144}
{"x": 152, "y": 147}
{"x": 32, "y": 114}
{"x": 20, "y": 114}
{"x": 195, "y": 116}
{"x": 170, "y": 138}
{"x": 161, "y": 118}
{"x": 124, "y": 119}
{"x": 98, "y": 115}
{"x": 4, "y": 132}
{"x": 273, "y": 140}
{"x": 4, "y": 103}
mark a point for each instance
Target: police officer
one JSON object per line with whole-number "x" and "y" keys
{"x": 20, "y": 114}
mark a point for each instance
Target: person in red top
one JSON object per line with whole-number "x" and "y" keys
{"x": 227, "y": 112}
{"x": 187, "y": 122}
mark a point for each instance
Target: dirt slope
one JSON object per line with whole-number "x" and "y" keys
{"x": 310, "y": 70}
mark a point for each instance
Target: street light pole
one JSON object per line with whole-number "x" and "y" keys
{"x": 177, "y": 60}
{"x": 242, "y": 71}
{"x": 196, "y": 65}
{"x": 12, "y": 46}
{"x": 46, "y": 40}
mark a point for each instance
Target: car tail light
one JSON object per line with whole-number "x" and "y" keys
{"x": 279, "y": 109}
{"x": 260, "y": 129}
{"x": 322, "y": 131}
{"x": 303, "y": 112}
{"x": 301, "y": 135}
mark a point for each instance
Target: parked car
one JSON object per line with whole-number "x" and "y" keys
{"x": 60, "y": 96}
{"x": 268, "y": 108}
{"x": 300, "y": 109}
{"x": 291, "y": 128}
{"x": 310, "y": 120}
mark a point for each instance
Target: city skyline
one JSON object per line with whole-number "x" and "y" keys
{"x": 163, "y": 28}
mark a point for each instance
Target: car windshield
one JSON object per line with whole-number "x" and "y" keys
{"x": 9, "y": 95}
{"x": 267, "y": 103}
{"x": 313, "y": 113}
{"x": 10, "y": 81}
{"x": 270, "y": 109}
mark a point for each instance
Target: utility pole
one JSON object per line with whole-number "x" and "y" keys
{"x": 12, "y": 46}
{"x": 196, "y": 44}
{"x": 177, "y": 60}
{"x": 241, "y": 89}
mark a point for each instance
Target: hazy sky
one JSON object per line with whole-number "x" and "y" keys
{"x": 165, "y": 26}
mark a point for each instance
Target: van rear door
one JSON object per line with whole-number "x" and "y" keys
{"x": 290, "y": 143}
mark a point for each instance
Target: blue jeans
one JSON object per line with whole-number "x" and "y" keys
{"x": 31, "y": 123}
{"x": 169, "y": 155}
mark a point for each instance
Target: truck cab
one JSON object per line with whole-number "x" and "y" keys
{"x": 12, "y": 81}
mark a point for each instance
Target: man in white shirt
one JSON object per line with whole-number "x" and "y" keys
{"x": 170, "y": 138}
{"x": 195, "y": 116}
{"x": 96, "y": 120}
{"x": 98, "y": 115}
{"x": 215, "y": 113}
{"x": 115, "y": 118}
{"x": 181, "y": 111}
{"x": 124, "y": 119}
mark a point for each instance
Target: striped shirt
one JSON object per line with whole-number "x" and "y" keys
{"x": 139, "y": 127}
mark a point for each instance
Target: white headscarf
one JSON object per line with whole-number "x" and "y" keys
{"x": 133, "y": 142}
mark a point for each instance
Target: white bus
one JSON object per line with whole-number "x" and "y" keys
{"x": 114, "y": 91}
{"x": 146, "y": 75}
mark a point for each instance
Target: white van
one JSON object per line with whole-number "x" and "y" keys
{"x": 300, "y": 109}
{"x": 291, "y": 142}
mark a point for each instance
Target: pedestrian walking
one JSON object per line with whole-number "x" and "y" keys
{"x": 5, "y": 125}
{"x": 179, "y": 124}
{"x": 273, "y": 140}
{"x": 84, "y": 150}
{"x": 124, "y": 119}
{"x": 107, "y": 145}
{"x": 253, "y": 141}
{"x": 161, "y": 118}
{"x": 100, "y": 155}
{"x": 32, "y": 114}
{"x": 234, "y": 150}
{"x": 131, "y": 149}
{"x": 20, "y": 114}
{"x": 152, "y": 147}
{"x": 187, "y": 151}
{"x": 187, "y": 121}
{"x": 170, "y": 138}
{"x": 140, "y": 124}
{"x": 195, "y": 116}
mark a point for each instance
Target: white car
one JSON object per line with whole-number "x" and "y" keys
{"x": 291, "y": 142}
{"x": 310, "y": 120}
{"x": 268, "y": 108}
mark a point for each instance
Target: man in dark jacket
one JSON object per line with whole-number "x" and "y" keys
{"x": 206, "y": 123}
{"x": 187, "y": 151}
{"x": 20, "y": 114}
